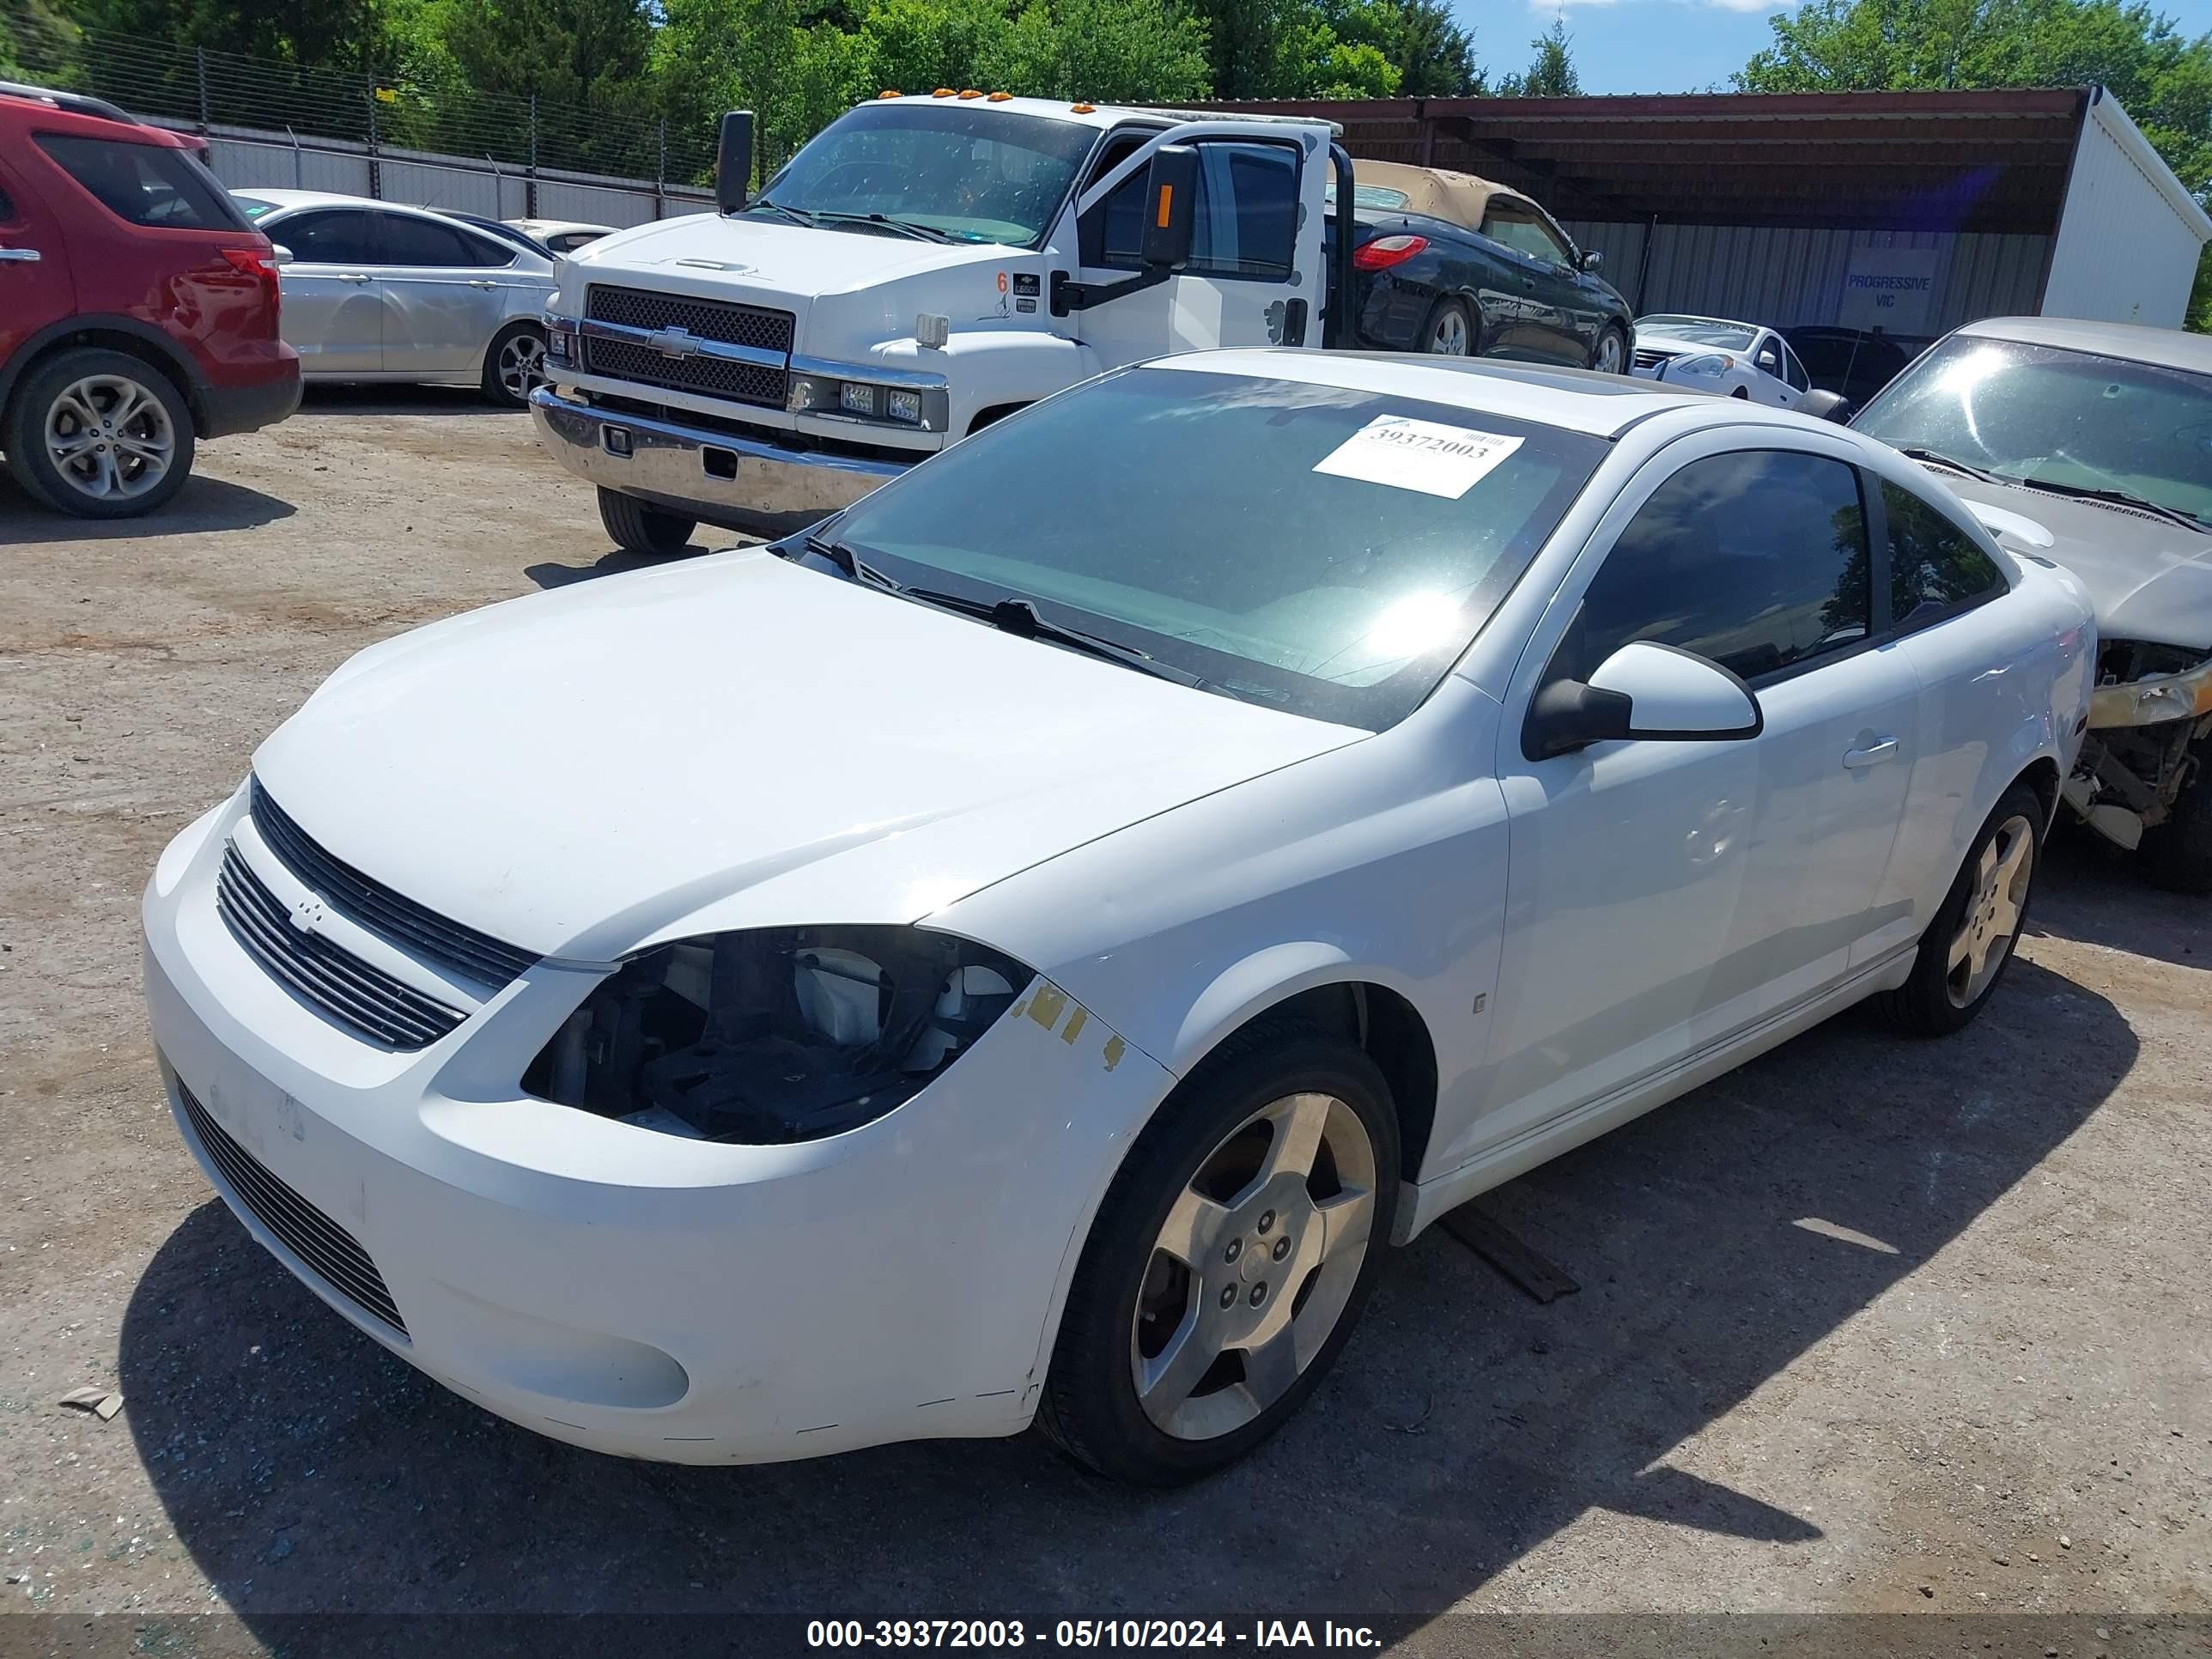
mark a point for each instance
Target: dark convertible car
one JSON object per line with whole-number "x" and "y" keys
{"x": 1453, "y": 264}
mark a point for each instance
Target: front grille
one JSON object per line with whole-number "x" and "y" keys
{"x": 710, "y": 319}
{"x": 356, "y": 992}
{"x": 422, "y": 932}
{"x": 1651, "y": 359}
{"x": 334, "y": 1253}
{"x": 714, "y": 376}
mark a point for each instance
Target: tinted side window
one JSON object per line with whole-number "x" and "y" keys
{"x": 1793, "y": 371}
{"x": 410, "y": 241}
{"x": 1757, "y": 560}
{"x": 1933, "y": 564}
{"x": 1244, "y": 219}
{"x": 1523, "y": 232}
{"x": 340, "y": 238}
{"x": 145, "y": 184}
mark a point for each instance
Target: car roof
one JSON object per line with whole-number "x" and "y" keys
{"x": 288, "y": 200}
{"x": 1701, "y": 322}
{"x": 68, "y": 112}
{"x": 2164, "y": 348}
{"x": 1575, "y": 399}
{"x": 1103, "y": 115}
{"x": 555, "y": 227}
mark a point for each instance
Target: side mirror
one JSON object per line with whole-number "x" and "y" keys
{"x": 1171, "y": 191}
{"x": 1826, "y": 406}
{"x": 1646, "y": 692}
{"x": 1769, "y": 361}
{"x": 281, "y": 253}
{"x": 1593, "y": 261}
{"x": 733, "y": 162}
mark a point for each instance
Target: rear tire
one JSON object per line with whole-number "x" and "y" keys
{"x": 1450, "y": 332}
{"x": 637, "y": 528}
{"x": 99, "y": 434}
{"x": 514, "y": 365}
{"x": 1980, "y": 919}
{"x": 2178, "y": 854}
{"x": 1274, "y": 1265}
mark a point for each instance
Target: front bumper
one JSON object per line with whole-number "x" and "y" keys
{"x": 742, "y": 483}
{"x": 630, "y": 1291}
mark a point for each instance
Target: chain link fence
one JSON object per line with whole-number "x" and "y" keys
{"x": 280, "y": 124}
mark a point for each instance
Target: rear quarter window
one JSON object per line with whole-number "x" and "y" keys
{"x": 1935, "y": 567}
{"x": 149, "y": 185}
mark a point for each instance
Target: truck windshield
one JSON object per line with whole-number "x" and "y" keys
{"x": 2069, "y": 421}
{"x": 1316, "y": 548}
{"x": 975, "y": 175}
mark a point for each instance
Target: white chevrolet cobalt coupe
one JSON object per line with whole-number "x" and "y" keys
{"x": 1022, "y": 952}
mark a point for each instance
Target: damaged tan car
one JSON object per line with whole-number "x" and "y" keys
{"x": 2090, "y": 444}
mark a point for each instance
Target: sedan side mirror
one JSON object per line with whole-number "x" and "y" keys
{"x": 1593, "y": 261}
{"x": 1171, "y": 191}
{"x": 1643, "y": 691}
{"x": 1826, "y": 406}
{"x": 281, "y": 253}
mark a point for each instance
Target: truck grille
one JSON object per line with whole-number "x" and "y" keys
{"x": 459, "y": 950}
{"x": 754, "y": 326}
{"x": 357, "y": 994}
{"x": 334, "y": 1255}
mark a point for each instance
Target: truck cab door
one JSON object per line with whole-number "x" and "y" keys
{"x": 35, "y": 289}
{"x": 1255, "y": 275}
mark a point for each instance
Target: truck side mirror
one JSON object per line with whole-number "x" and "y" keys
{"x": 1593, "y": 261}
{"x": 1170, "y": 190}
{"x": 733, "y": 162}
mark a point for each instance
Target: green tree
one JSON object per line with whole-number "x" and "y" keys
{"x": 1550, "y": 73}
{"x": 1434, "y": 57}
{"x": 1110, "y": 51}
{"x": 590, "y": 53}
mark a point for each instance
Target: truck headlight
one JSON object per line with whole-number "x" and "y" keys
{"x": 906, "y": 407}
{"x": 775, "y": 1035}
{"x": 560, "y": 341}
{"x": 857, "y": 398}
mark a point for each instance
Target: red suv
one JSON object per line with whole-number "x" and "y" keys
{"x": 138, "y": 307}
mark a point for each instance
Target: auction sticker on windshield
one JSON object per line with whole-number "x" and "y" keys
{"x": 1424, "y": 455}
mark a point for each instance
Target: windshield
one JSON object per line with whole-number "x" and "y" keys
{"x": 975, "y": 175}
{"x": 1325, "y": 552}
{"x": 252, "y": 206}
{"x": 2043, "y": 415}
{"x": 1699, "y": 330}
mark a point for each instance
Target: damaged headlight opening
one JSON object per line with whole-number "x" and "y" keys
{"x": 775, "y": 1035}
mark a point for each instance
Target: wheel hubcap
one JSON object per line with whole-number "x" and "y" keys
{"x": 522, "y": 365}
{"x": 1450, "y": 339}
{"x": 1993, "y": 911}
{"x": 1609, "y": 354}
{"x": 109, "y": 437}
{"x": 1254, "y": 1267}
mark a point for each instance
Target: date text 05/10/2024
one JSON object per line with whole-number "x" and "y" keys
{"x": 989, "y": 1634}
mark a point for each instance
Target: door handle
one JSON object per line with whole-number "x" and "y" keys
{"x": 350, "y": 276}
{"x": 481, "y": 282}
{"x": 1528, "y": 281}
{"x": 19, "y": 256}
{"x": 1873, "y": 755}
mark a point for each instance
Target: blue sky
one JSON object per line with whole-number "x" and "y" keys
{"x": 1661, "y": 45}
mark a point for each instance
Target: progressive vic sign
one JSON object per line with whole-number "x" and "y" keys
{"x": 1891, "y": 289}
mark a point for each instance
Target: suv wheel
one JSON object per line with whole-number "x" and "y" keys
{"x": 99, "y": 434}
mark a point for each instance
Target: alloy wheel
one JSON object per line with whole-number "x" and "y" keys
{"x": 1254, "y": 1267}
{"x": 522, "y": 366}
{"x": 1993, "y": 911}
{"x": 1609, "y": 354}
{"x": 1449, "y": 337}
{"x": 109, "y": 437}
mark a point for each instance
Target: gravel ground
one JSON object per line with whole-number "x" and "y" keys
{"x": 1981, "y": 1384}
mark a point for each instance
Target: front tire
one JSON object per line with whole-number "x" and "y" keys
{"x": 1970, "y": 944}
{"x": 646, "y": 531}
{"x": 2178, "y": 854}
{"x": 1610, "y": 354}
{"x": 1229, "y": 1261}
{"x": 99, "y": 434}
{"x": 514, "y": 365}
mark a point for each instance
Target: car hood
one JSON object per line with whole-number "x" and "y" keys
{"x": 715, "y": 258}
{"x": 736, "y": 741}
{"x": 2150, "y": 580}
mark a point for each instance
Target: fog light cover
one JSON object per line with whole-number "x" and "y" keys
{"x": 906, "y": 407}
{"x": 857, "y": 398}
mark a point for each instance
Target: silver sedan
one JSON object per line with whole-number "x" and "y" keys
{"x": 374, "y": 291}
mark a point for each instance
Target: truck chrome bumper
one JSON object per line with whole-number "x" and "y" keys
{"x": 741, "y": 483}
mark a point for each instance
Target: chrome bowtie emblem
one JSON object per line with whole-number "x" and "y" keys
{"x": 672, "y": 342}
{"x": 307, "y": 915}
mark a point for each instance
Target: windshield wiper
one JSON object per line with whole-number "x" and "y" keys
{"x": 853, "y": 564}
{"x": 794, "y": 215}
{"x": 2120, "y": 498}
{"x": 1937, "y": 457}
{"x": 1019, "y": 617}
{"x": 920, "y": 233}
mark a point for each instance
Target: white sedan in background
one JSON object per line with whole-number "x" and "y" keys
{"x": 563, "y": 236}
{"x": 1204, "y": 890}
{"x": 1710, "y": 354}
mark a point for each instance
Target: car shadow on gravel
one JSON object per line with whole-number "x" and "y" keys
{"x": 390, "y": 397}
{"x": 2095, "y": 893}
{"x": 614, "y": 563}
{"x": 1715, "y": 1241}
{"x": 203, "y": 504}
